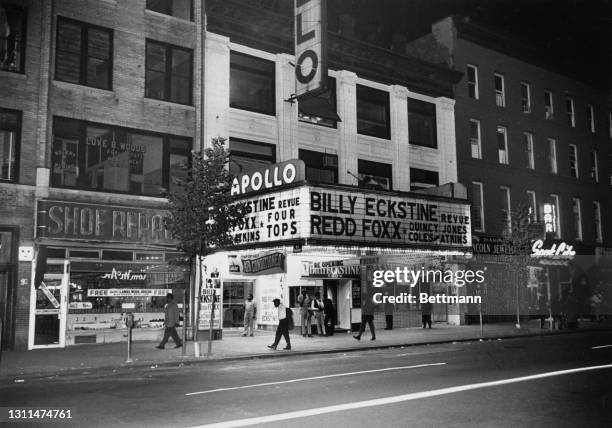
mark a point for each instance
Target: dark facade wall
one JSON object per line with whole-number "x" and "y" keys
{"x": 516, "y": 175}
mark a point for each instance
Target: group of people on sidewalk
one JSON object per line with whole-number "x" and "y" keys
{"x": 322, "y": 310}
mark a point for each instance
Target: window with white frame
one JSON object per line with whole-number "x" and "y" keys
{"x": 549, "y": 108}
{"x": 472, "y": 81}
{"x": 533, "y": 208}
{"x": 577, "y": 218}
{"x": 500, "y": 90}
{"x": 591, "y": 118}
{"x": 477, "y": 206}
{"x": 597, "y": 221}
{"x": 528, "y": 138}
{"x": 505, "y": 208}
{"x": 569, "y": 106}
{"x": 594, "y": 166}
{"x": 525, "y": 97}
{"x": 573, "y": 160}
{"x": 475, "y": 139}
{"x": 552, "y": 154}
{"x": 557, "y": 215}
{"x": 502, "y": 145}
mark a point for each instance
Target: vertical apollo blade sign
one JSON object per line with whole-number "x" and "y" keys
{"x": 310, "y": 47}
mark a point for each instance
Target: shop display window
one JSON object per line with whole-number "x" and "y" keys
{"x": 113, "y": 159}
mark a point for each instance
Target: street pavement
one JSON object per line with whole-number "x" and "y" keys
{"x": 539, "y": 381}
{"x": 16, "y": 366}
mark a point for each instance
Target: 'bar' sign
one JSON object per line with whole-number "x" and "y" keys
{"x": 310, "y": 46}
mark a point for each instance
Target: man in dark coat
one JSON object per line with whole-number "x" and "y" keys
{"x": 330, "y": 316}
{"x": 172, "y": 313}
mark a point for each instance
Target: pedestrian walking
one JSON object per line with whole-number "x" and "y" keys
{"x": 304, "y": 300}
{"x": 367, "y": 317}
{"x": 283, "y": 326}
{"x": 317, "y": 308}
{"x": 250, "y": 315}
{"x": 426, "y": 309}
{"x": 171, "y": 320}
{"x": 330, "y": 316}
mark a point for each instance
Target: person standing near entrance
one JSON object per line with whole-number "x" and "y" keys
{"x": 367, "y": 316}
{"x": 330, "y": 316}
{"x": 250, "y": 315}
{"x": 317, "y": 308}
{"x": 426, "y": 309}
{"x": 171, "y": 320}
{"x": 283, "y": 326}
{"x": 304, "y": 300}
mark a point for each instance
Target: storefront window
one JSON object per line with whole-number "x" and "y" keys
{"x": 10, "y": 129}
{"x": 422, "y": 123}
{"x": 373, "y": 112}
{"x": 374, "y": 175}
{"x": 252, "y": 84}
{"x": 320, "y": 167}
{"x": 247, "y": 156}
{"x": 84, "y": 54}
{"x": 12, "y": 38}
{"x": 108, "y": 158}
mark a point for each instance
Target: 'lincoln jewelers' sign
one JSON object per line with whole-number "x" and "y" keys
{"x": 355, "y": 217}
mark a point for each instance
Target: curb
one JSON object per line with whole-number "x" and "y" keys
{"x": 84, "y": 373}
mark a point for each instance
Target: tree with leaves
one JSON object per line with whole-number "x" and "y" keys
{"x": 202, "y": 213}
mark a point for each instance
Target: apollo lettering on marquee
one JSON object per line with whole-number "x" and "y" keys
{"x": 277, "y": 175}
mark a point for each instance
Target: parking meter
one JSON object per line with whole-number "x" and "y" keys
{"x": 129, "y": 322}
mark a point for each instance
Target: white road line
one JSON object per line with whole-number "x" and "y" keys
{"x": 315, "y": 378}
{"x": 601, "y": 346}
{"x": 391, "y": 400}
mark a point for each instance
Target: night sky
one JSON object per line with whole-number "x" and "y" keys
{"x": 577, "y": 33}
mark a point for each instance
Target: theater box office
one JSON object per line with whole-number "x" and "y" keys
{"x": 95, "y": 264}
{"x": 330, "y": 238}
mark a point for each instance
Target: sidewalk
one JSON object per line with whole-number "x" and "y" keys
{"x": 85, "y": 359}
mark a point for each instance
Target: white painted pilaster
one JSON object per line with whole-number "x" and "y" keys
{"x": 287, "y": 112}
{"x": 398, "y": 98}
{"x": 447, "y": 145}
{"x": 217, "y": 87}
{"x": 346, "y": 93}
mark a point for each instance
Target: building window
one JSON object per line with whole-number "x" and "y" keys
{"x": 552, "y": 154}
{"x": 502, "y": 145}
{"x": 168, "y": 73}
{"x": 320, "y": 167}
{"x": 374, "y": 175}
{"x": 528, "y": 138}
{"x": 594, "y": 166}
{"x": 591, "y": 118}
{"x": 423, "y": 179}
{"x": 477, "y": 207}
{"x": 610, "y": 124}
{"x": 500, "y": 90}
{"x": 549, "y": 108}
{"x": 93, "y": 156}
{"x": 10, "y": 136}
{"x": 505, "y": 208}
{"x": 84, "y": 54}
{"x": 472, "y": 81}
{"x": 533, "y": 207}
{"x": 569, "y": 106}
{"x": 252, "y": 84}
{"x": 475, "y": 139}
{"x": 320, "y": 109}
{"x": 556, "y": 215}
{"x": 422, "y": 123}
{"x": 577, "y": 218}
{"x": 597, "y": 221}
{"x": 525, "y": 97}
{"x": 373, "y": 112}
{"x": 12, "y": 38}
{"x": 178, "y": 8}
{"x": 573, "y": 161}
{"x": 247, "y": 155}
